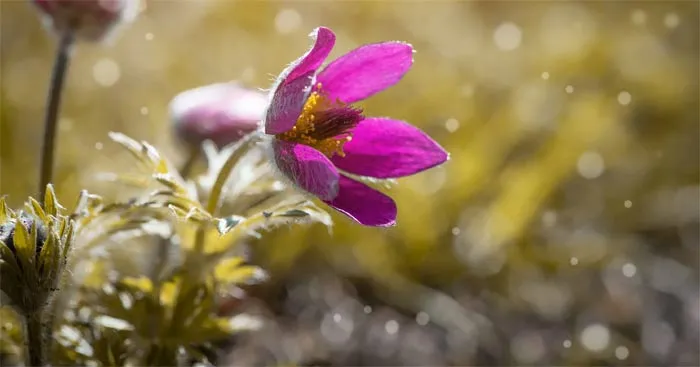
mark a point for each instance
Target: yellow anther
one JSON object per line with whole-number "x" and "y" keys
{"x": 305, "y": 125}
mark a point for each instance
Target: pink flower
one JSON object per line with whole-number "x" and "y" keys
{"x": 318, "y": 134}
{"x": 91, "y": 20}
{"x": 222, "y": 113}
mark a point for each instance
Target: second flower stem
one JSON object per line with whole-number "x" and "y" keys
{"x": 53, "y": 103}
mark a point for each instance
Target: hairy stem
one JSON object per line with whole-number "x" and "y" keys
{"x": 36, "y": 337}
{"x": 186, "y": 168}
{"x": 217, "y": 189}
{"x": 53, "y": 103}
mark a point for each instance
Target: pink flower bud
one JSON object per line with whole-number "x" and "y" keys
{"x": 90, "y": 20}
{"x": 222, "y": 113}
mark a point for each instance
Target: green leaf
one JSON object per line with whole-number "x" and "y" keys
{"x": 230, "y": 271}
{"x": 8, "y": 257}
{"x": 141, "y": 284}
{"x": 26, "y": 248}
{"x": 294, "y": 213}
{"x": 48, "y": 258}
{"x": 5, "y": 212}
{"x": 51, "y": 204}
{"x": 37, "y": 210}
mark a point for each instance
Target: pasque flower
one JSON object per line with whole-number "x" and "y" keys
{"x": 221, "y": 112}
{"x": 318, "y": 136}
{"x": 90, "y": 20}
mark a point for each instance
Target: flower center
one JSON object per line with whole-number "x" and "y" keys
{"x": 324, "y": 124}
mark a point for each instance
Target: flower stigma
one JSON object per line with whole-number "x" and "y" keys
{"x": 324, "y": 124}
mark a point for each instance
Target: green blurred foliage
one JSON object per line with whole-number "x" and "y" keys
{"x": 572, "y": 126}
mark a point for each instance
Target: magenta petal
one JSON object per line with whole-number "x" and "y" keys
{"x": 366, "y": 70}
{"x": 364, "y": 204}
{"x": 307, "y": 168}
{"x": 324, "y": 40}
{"x": 386, "y": 148}
{"x": 286, "y": 105}
{"x": 294, "y": 84}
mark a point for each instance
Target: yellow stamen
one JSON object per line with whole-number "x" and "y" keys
{"x": 303, "y": 130}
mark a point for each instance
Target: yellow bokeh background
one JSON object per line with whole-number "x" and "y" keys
{"x": 573, "y": 132}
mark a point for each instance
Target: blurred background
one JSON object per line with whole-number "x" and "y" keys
{"x": 563, "y": 231}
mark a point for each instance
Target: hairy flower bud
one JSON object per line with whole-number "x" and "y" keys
{"x": 90, "y": 20}
{"x": 34, "y": 246}
{"x": 222, "y": 113}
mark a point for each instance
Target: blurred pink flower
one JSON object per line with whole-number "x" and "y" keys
{"x": 222, "y": 113}
{"x": 317, "y": 133}
{"x": 90, "y": 20}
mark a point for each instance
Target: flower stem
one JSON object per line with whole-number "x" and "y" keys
{"x": 36, "y": 333}
{"x": 192, "y": 157}
{"x": 58, "y": 75}
{"x": 225, "y": 172}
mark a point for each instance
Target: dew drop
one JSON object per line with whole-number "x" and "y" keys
{"x": 549, "y": 218}
{"x": 508, "y": 36}
{"x": 98, "y": 146}
{"x": 144, "y": 111}
{"x": 628, "y": 204}
{"x": 569, "y": 89}
{"x": 567, "y": 343}
{"x": 629, "y": 270}
{"x": 595, "y": 337}
{"x": 638, "y": 17}
{"x": 106, "y": 72}
{"x": 545, "y": 75}
{"x": 287, "y": 21}
{"x": 573, "y": 261}
{"x": 590, "y": 165}
{"x": 452, "y": 125}
{"x": 624, "y": 98}
{"x": 422, "y": 318}
{"x": 391, "y": 327}
{"x": 672, "y": 20}
{"x": 149, "y": 36}
{"x": 622, "y": 353}
{"x": 65, "y": 124}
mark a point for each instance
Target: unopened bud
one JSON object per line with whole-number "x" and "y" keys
{"x": 90, "y": 20}
{"x": 34, "y": 247}
{"x": 222, "y": 113}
